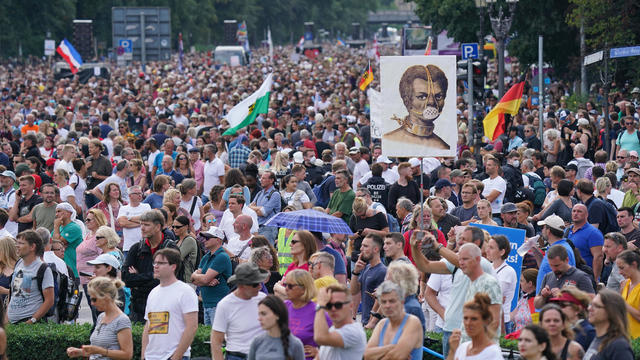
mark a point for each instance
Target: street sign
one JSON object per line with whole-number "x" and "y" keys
{"x": 470, "y": 50}
{"x": 127, "y": 48}
{"x": 49, "y": 47}
{"x": 593, "y": 58}
{"x": 624, "y": 52}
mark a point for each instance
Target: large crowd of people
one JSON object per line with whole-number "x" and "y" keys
{"x": 131, "y": 188}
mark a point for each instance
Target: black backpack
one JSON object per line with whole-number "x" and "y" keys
{"x": 67, "y": 294}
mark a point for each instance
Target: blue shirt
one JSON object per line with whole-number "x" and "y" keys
{"x": 514, "y": 143}
{"x": 584, "y": 239}
{"x": 154, "y": 200}
{"x": 413, "y": 307}
{"x": 157, "y": 162}
{"x": 269, "y": 200}
{"x": 544, "y": 264}
{"x": 339, "y": 267}
{"x": 175, "y": 175}
{"x": 221, "y": 263}
{"x": 369, "y": 280}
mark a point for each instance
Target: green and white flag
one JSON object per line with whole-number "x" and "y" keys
{"x": 247, "y": 110}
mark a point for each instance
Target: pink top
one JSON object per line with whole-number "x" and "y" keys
{"x": 87, "y": 250}
{"x": 198, "y": 169}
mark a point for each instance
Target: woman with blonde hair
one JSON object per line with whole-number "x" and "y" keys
{"x": 484, "y": 213}
{"x": 190, "y": 202}
{"x": 111, "y": 338}
{"x": 89, "y": 249}
{"x": 138, "y": 177}
{"x": 552, "y": 145}
{"x": 280, "y": 167}
{"x": 107, "y": 241}
{"x": 173, "y": 196}
{"x": 300, "y": 289}
{"x": 8, "y": 259}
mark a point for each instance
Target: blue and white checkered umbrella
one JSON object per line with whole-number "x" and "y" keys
{"x": 311, "y": 220}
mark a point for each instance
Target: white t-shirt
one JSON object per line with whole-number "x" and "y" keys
{"x": 296, "y": 199}
{"x": 498, "y": 183}
{"x": 491, "y": 352}
{"x": 81, "y": 186}
{"x": 212, "y": 172}
{"x": 181, "y": 120}
{"x": 132, "y": 235}
{"x": 62, "y": 164}
{"x": 186, "y": 205}
{"x": 166, "y": 306}
{"x": 51, "y": 258}
{"x": 67, "y": 191}
{"x": 151, "y": 159}
{"x": 508, "y": 280}
{"x": 226, "y": 222}
{"x": 122, "y": 183}
{"x": 354, "y": 340}
{"x": 441, "y": 283}
{"x": 6, "y": 202}
{"x": 361, "y": 168}
{"x": 235, "y": 246}
{"x": 238, "y": 320}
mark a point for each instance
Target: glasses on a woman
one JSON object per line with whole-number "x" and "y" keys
{"x": 100, "y": 237}
{"x": 178, "y": 226}
{"x": 290, "y": 286}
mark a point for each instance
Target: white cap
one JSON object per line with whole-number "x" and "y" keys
{"x": 383, "y": 159}
{"x": 298, "y": 158}
{"x": 414, "y": 162}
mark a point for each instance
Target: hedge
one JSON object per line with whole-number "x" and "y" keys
{"x": 38, "y": 341}
{"x": 50, "y": 341}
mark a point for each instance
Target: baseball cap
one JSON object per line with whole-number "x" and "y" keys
{"x": 488, "y": 147}
{"x": 553, "y": 221}
{"x": 573, "y": 167}
{"x": 508, "y": 208}
{"x": 633, "y": 170}
{"x": 298, "y": 158}
{"x": 9, "y": 173}
{"x": 442, "y": 183}
{"x": 352, "y": 131}
{"x": 213, "y": 232}
{"x": 566, "y": 297}
{"x": 414, "y": 162}
{"x": 354, "y": 150}
{"x": 383, "y": 159}
{"x": 105, "y": 259}
{"x": 455, "y": 173}
{"x": 636, "y": 90}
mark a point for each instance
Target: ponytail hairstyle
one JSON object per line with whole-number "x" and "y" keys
{"x": 480, "y": 303}
{"x": 629, "y": 257}
{"x": 542, "y": 338}
{"x": 278, "y": 307}
{"x": 104, "y": 287}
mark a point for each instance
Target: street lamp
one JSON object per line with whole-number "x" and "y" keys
{"x": 481, "y": 5}
{"x": 501, "y": 25}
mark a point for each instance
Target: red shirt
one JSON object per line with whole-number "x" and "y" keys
{"x": 407, "y": 244}
{"x": 154, "y": 249}
{"x": 294, "y": 266}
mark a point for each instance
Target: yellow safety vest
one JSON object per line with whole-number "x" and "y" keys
{"x": 284, "y": 250}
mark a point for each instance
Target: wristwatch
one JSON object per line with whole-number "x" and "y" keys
{"x": 440, "y": 246}
{"x": 319, "y": 307}
{"x": 33, "y": 320}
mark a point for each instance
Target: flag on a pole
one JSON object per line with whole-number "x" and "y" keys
{"x": 300, "y": 43}
{"x": 427, "y": 51}
{"x": 509, "y": 104}
{"x": 376, "y": 102}
{"x": 70, "y": 55}
{"x": 181, "y": 52}
{"x": 366, "y": 78}
{"x": 242, "y": 31}
{"x": 247, "y": 110}
{"x": 340, "y": 42}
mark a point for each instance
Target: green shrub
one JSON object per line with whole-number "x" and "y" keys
{"x": 50, "y": 341}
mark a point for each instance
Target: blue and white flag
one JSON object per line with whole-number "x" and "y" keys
{"x": 70, "y": 55}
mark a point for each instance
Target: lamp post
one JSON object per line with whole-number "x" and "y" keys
{"x": 501, "y": 25}
{"x": 481, "y": 5}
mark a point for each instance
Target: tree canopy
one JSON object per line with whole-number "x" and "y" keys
{"x": 26, "y": 23}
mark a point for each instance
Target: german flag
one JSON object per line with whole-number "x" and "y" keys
{"x": 509, "y": 104}
{"x": 366, "y": 78}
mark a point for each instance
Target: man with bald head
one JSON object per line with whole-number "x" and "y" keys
{"x": 587, "y": 239}
{"x": 238, "y": 245}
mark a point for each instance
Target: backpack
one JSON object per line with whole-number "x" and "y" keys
{"x": 539, "y": 190}
{"x": 66, "y": 289}
{"x": 321, "y": 192}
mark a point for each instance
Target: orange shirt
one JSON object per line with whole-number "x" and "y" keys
{"x": 26, "y": 128}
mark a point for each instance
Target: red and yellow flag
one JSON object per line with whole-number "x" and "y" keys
{"x": 509, "y": 104}
{"x": 366, "y": 78}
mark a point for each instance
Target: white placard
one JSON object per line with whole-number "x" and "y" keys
{"x": 424, "y": 124}
{"x": 234, "y": 60}
{"x": 49, "y": 47}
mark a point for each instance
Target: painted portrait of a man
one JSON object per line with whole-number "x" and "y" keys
{"x": 423, "y": 90}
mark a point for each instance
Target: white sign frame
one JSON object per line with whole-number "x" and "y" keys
{"x": 399, "y": 140}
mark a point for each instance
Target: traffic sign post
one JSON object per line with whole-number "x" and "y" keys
{"x": 624, "y": 52}
{"x": 125, "y": 49}
{"x": 470, "y": 51}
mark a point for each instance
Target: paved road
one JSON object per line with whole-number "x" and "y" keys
{"x": 84, "y": 315}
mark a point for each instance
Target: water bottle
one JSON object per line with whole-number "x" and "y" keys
{"x": 72, "y": 305}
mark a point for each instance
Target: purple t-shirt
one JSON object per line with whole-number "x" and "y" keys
{"x": 301, "y": 322}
